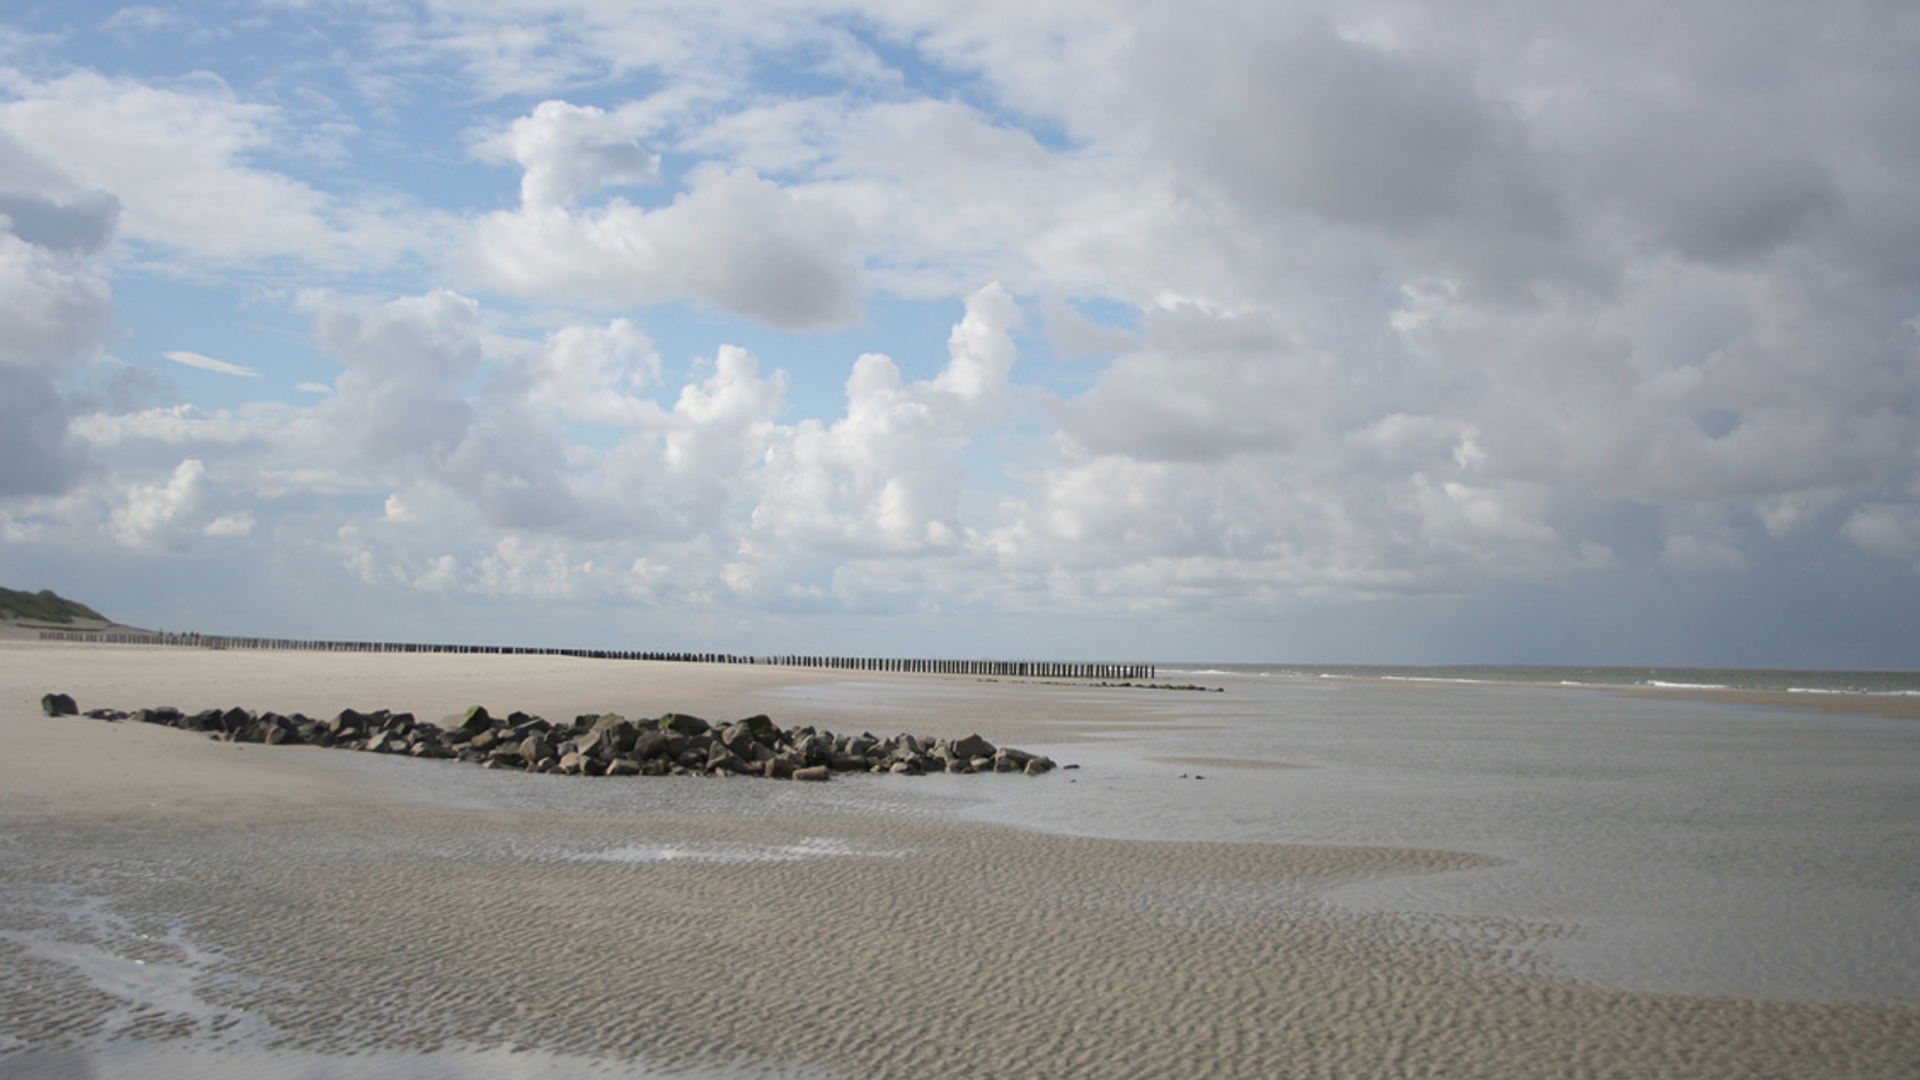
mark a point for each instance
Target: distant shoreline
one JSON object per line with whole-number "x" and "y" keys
{"x": 1894, "y": 704}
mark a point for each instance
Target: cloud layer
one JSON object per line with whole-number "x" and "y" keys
{"x": 991, "y": 323}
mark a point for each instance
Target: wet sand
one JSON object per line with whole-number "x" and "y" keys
{"x": 318, "y": 907}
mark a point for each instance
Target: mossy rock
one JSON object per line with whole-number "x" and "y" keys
{"x": 682, "y": 724}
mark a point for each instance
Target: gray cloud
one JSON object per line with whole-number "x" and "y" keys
{"x": 1285, "y": 114}
{"x": 54, "y": 309}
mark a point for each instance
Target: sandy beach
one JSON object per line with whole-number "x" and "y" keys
{"x": 311, "y": 904}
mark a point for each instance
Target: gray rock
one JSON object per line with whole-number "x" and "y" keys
{"x": 620, "y": 734}
{"x": 812, "y": 772}
{"x": 593, "y": 744}
{"x": 476, "y": 720}
{"x": 651, "y": 744}
{"x": 761, "y": 727}
{"x": 684, "y": 724}
{"x": 535, "y": 748}
{"x": 971, "y": 747}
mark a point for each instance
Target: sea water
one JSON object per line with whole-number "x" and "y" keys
{"x": 1664, "y": 845}
{"x": 1678, "y": 845}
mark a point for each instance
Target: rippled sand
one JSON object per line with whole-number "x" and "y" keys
{"x": 158, "y": 889}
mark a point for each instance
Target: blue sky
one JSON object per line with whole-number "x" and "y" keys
{"x": 1338, "y": 331}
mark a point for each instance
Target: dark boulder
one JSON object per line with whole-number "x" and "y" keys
{"x": 682, "y": 724}
{"x": 761, "y": 727}
{"x": 59, "y": 705}
{"x": 648, "y": 745}
{"x": 972, "y": 746}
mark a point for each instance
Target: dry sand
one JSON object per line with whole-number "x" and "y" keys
{"x": 325, "y": 912}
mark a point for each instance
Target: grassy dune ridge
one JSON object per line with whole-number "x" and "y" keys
{"x": 44, "y": 606}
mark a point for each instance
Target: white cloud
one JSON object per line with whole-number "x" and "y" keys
{"x": 1890, "y": 529}
{"x": 409, "y": 366}
{"x": 886, "y": 478}
{"x": 733, "y": 239}
{"x": 178, "y": 159}
{"x": 208, "y": 363}
{"x": 140, "y": 17}
{"x": 1206, "y": 385}
{"x": 240, "y": 524}
{"x": 595, "y": 373}
{"x": 567, "y": 151}
{"x": 159, "y": 516}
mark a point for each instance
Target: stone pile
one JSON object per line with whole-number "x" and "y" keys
{"x": 596, "y": 744}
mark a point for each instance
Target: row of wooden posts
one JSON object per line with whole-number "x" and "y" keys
{"x": 1039, "y": 669}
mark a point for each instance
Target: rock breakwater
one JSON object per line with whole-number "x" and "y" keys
{"x": 604, "y": 744}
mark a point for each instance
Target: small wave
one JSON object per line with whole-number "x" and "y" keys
{"x": 1849, "y": 690}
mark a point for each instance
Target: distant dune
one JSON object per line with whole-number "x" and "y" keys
{"x": 25, "y": 614}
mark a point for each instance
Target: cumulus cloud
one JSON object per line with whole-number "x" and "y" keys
{"x": 409, "y": 402}
{"x": 593, "y": 373}
{"x": 887, "y": 477}
{"x": 567, "y": 151}
{"x": 409, "y": 364}
{"x": 732, "y": 238}
{"x": 162, "y": 516}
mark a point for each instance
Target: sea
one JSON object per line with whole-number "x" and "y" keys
{"x": 1783, "y": 680}
{"x": 1686, "y": 843}
{"x": 1681, "y": 842}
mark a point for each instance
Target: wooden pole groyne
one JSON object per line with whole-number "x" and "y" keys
{"x": 1027, "y": 669}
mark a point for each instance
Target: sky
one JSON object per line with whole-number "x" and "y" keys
{"x": 1371, "y": 332}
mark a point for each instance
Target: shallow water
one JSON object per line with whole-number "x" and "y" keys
{"x": 142, "y": 1060}
{"x": 1690, "y": 846}
{"x": 1662, "y": 845}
